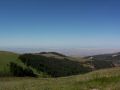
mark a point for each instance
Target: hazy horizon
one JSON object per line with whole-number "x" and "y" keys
{"x": 81, "y": 52}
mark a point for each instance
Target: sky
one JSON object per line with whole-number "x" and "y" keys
{"x": 60, "y": 23}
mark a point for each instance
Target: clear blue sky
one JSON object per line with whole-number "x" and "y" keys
{"x": 60, "y": 23}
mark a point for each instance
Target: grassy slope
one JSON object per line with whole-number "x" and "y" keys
{"x": 5, "y": 58}
{"x": 108, "y": 79}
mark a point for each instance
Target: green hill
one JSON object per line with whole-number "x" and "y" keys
{"x": 104, "y": 60}
{"x": 53, "y": 64}
{"x": 40, "y": 64}
{"x": 56, "y": 66}
{"x": 5, "y": 59}
{"x": 28, "y": 65}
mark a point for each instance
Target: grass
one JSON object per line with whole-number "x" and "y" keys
{"x": 107, "y": 79}
{"x": 5, "y": 59}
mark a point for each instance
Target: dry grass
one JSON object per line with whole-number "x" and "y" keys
{"x": 108, "y": 79}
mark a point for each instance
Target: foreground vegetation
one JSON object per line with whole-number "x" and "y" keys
{"x": 108, "y": 79}
{"x": 50, "y": 65}
{"x": 5, "y": 59}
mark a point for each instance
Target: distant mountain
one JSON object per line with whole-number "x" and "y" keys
{"x": 67, "y": 51}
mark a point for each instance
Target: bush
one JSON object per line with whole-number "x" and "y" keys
{"x": 18, "y": 70}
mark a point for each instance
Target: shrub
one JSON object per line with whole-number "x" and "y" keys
{"x": 18, "y": 70}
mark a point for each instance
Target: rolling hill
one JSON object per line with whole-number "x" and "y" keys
{"x": 5, "y": 59}
{"x": 56, "y": 66}
{"x": 28, "y": 64}
{"x": 104, "y": 60}
{"x": 40, "y": 64}
{"x": 53, "y": 64}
